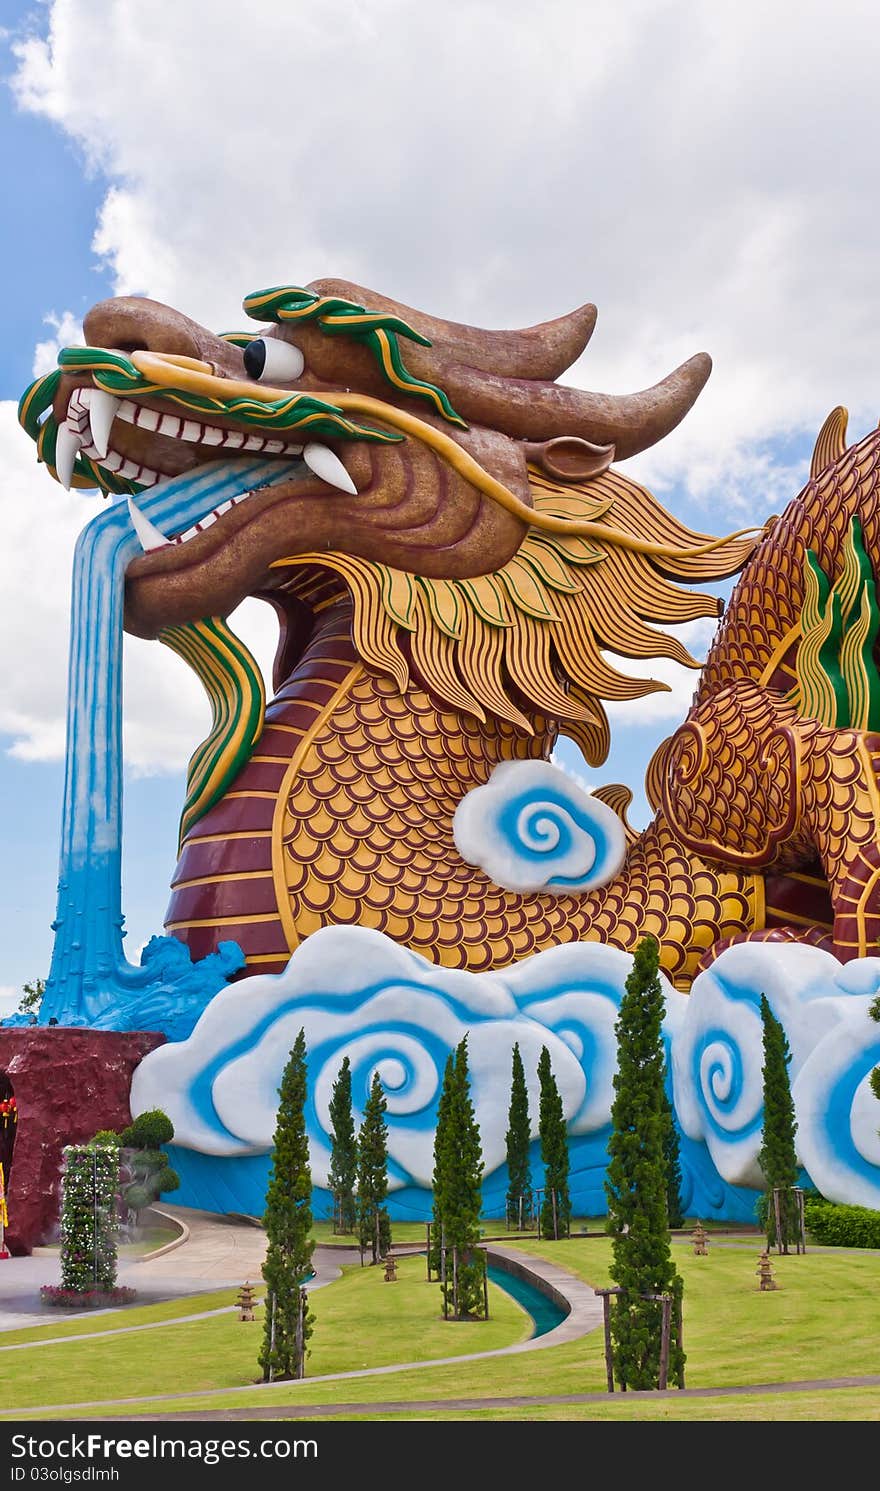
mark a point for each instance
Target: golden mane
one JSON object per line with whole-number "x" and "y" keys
{"x": 536, "y": 629}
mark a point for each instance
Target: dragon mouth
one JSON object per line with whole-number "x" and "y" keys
{"x": 140, "y": 443}
{"x": 124, "y": 422}
{"x": 94, "y": 427}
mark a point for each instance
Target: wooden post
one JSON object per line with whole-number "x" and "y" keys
{"x": 300, "y": 1336}
{"x": 428, "y": 1247}
{"x": 555, "y": 1218}
{"x": 803, "y": 1225}
{"x": 679, "y": 1341}
{"x": 664, "y": 1342}
{"x": 520, "y": 1211}
{"x": 605, "y": 1296}
{"x": 272, "y": 1340}
{"x": 778, "y": 1210}
{"x": 443, "y": 1272}
{"x": 485, "y": 1286}
{"x": 609, "y": 1360}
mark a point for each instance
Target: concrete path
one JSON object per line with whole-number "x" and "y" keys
{"x": 216, "y": 1253}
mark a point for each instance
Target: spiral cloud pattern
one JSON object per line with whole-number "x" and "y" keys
{"x": 532, "y": 827}
{"x": 356, "y": 993}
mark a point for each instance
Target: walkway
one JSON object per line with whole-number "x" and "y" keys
{"x": 214, "y": 1253}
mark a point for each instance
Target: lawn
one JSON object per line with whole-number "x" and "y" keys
{"x": 361, "y": 1321}
{"x": 822, "y": 1322}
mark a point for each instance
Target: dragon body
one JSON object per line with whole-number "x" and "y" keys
{"x": 452, "y": 563}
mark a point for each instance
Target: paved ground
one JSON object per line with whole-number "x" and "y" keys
{"x": 218, "y": 1252}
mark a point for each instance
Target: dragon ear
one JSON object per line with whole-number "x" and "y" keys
{"x": 568, "y": 458}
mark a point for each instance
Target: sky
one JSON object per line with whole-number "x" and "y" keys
{"x": 707, "y": 175}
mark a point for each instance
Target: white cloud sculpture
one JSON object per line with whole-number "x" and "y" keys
{"x": 356, "y": 993}
{"x": 532, "y": 827}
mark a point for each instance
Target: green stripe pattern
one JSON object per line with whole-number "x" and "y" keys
{"x": 838, "y": 680}
{"x": 377, "y": 330}
{"x": 233, "y": 682}
{"x": 116, "y": 374}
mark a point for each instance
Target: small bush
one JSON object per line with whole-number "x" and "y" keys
{"x": 106, "y": 1136}
{"x": 149, "y": 1130}
{"x": 838, "y": 1226}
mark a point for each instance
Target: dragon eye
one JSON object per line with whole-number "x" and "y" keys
{"x": 269, "y": 358}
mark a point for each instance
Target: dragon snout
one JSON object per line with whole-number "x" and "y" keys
{"x": 132, "y": 323}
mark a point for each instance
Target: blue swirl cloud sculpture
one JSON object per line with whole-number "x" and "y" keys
{"x": 532, "y": 827}
{"x": 356, "y": 993}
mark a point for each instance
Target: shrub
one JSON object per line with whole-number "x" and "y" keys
{"x": 149, "y": 1130}
{"x": 838, "y": 1226}
{"x": 106, "y": 1136}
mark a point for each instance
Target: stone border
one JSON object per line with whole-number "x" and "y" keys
{"x": 176, "y": 1242}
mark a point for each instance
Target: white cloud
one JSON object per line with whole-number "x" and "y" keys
{"x": 66, "y": 332}
{"x": 9, "y": 1000}
{"x": 707, "y": 175}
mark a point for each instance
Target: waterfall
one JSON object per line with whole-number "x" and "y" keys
{"x": 90, "y": 975}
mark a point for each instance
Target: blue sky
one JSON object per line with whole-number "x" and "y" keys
{"x": 707, "y": 176}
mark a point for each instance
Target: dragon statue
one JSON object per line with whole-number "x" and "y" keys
{"x": 454, "y": 559}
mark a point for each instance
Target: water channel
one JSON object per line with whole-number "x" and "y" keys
{"x": 545, "y": 1313}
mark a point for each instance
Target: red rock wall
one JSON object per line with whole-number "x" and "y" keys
{"x": 68, "y": 1084}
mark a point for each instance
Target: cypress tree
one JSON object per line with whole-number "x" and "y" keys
{"x": 342, "y": 1174}
{"x": 555, "y": 1218}
{"x": 777, "y": 1156}
{"x": 441, "y": 1153}
{"x": 672, "y": 1160}
{"x": 519, "y": 1133}
{"x": 288, "y": 1223}
{"x": 374, "y": 1223}
{"x": 458, "y": 1172}
{"x": 636, "y": 1184}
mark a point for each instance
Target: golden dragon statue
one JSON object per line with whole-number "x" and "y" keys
{"x": 455, "y": 560}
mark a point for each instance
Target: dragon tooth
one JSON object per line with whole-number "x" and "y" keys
{"x": 103, "y": 408}
{"x": 150, "y": 536}
{"x": 68, "y": 444}
{"x": 326, "y": 464}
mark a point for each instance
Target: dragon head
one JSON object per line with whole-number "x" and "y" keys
{"x": 442, "y": 466}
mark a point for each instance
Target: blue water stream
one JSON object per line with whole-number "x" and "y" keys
{"x": 545, "y": 1313}
{"x": 89, "y": 971}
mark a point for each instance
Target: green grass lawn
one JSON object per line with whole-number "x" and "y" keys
{"x": 360, "y": 1321}
{"x": 117, "y": 1319}
{"x": 822, "y": 1322}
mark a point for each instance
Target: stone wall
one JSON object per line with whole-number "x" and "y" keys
{"x": 68, "y": 1083}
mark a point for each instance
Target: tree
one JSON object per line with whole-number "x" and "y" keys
{"x": 32, "y": 997}
{"x": 672, "y": 1160}
{"x": 342, "y": 1174}
{"x": 777, "y": 1156}
{"x": 288, "y": 1223}
{"x": 374, "y": 1224}
{"x": 636, "y": 1184}
{"x": 555, "y": 1218}
{"x": 441, "y": 1155}
{"x": 519, "y": 1133}
{"x": 458, "y": 1177}
{"x": 146, "y": 1172}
